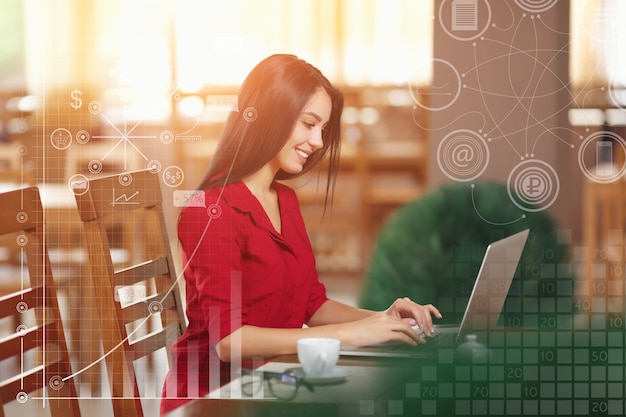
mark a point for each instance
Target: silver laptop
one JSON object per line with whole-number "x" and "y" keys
{"x": 483, "y": 307}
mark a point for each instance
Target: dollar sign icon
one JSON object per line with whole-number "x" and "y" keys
{"x": 173, "y": 176}
{"x": 78, "y": 102}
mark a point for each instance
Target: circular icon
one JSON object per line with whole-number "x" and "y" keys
{"x": 56, "y": 383}
{"x": 22, "y": 217}
{"x": 154, "y": 166}
{"x": 22, "y": 126}
{"x": 173, "y": 176}
{"x": 214, "y": 211}
{"x": 166, "y": 137}
{"x": 463, "y": 155}
{"x": 21, "y": 240}
{"x": 21, "y": 307}
{"x": 21, "y": 329}
{"x": 22, "y": 150}
{"x": 95, "y": 107}
{"x": 465, "y": 18}
{"x": 250, "y": 114}
{"x": 605, "y": 145}
{"x": 61, "y": 138}
{"x": 155, "y": 307}
{"x": 437, "y": 97}
{"x": 21, "y": 397}
{"x": 125, "y": 179}
{"x": 535, "y": 6}
{"x": 95, "y": 166}
{"x": 533, "y": 185}
{"x": 82, "y": 137}
{"x": 78, "y": 184}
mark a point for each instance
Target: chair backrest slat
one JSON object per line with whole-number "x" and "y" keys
{"x": 134, "y": 274}
{"x": 27, "y": 339}
{"x": 149, "y": 305}
{"x": 155, "y": 341}
{"x": 31, "y": 297}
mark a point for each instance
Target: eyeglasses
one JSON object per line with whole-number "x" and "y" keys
{"x": 283, "y": 386}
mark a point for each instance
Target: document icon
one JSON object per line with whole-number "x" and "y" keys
{"x": 465, "y": 15}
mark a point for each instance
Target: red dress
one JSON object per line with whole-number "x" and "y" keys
{"x": 239, "y": 270}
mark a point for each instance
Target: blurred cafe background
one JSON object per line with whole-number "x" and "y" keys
{"x": 98, "y": 87}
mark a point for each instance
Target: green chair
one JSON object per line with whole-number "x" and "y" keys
{"x": 431, "y": 250}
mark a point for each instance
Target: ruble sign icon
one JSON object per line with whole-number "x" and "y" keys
{"x": 533, "y": 185}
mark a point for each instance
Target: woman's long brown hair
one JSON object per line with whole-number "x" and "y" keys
{"x": 270, "y": 101}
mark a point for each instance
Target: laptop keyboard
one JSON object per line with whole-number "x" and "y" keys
{"x": 433, "y": 343}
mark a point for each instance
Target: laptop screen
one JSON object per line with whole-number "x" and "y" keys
{"x": 493, "y": 282}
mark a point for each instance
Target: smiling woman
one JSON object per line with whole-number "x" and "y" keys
{"x": 251, "y": 280}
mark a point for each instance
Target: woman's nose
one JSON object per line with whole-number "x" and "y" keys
{"x": 316, "y": 140}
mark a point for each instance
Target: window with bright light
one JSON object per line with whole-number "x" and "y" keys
{"x": 598, "y": 56}
{"x": 12, "y": 60}
{"x": 141, "y": 52}
{"x": 354, "y": 42}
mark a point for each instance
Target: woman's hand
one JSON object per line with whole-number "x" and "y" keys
{"x": 414, "y": 314}
{"x": 359, "y": 327}
{"x": 378, "y": 328}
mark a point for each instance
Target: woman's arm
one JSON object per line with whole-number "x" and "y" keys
{"x": 403, "y": 308}
{"x": 253, "y": 341}
{"x": 351, "y": 325}
{"x": 333, "y": 312}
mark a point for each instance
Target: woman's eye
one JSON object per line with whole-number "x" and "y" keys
{"x": 309, "y": 125}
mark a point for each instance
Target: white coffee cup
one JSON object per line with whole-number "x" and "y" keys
{"x": 318, "y": 355}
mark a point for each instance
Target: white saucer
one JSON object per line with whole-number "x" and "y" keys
{"x": 338, "y": 375}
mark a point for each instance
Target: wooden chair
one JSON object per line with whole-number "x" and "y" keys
{"x": 140, "y": 306}
{"x": 37, "y": 343}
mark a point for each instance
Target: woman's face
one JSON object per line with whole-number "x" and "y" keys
{"x": 306, "y": 136}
